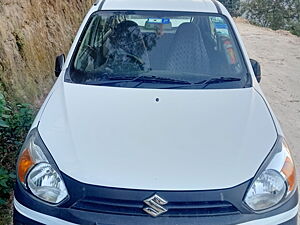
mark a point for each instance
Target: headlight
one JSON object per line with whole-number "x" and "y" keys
{"x": 38, "y": 173}
{"x": 276, "y": 181}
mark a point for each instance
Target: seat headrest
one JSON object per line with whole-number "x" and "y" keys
{"x": 188, "y": 30}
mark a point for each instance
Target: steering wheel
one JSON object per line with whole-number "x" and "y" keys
{"x": 137, "y": 59}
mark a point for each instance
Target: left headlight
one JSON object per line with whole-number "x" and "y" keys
{"x": 276, "y": 181}
{"x": 37, "y": 173}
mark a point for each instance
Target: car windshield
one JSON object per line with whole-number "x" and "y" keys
{"x": 158, "y": 50}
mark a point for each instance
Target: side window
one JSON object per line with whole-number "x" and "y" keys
{"x": 85, "y": 58}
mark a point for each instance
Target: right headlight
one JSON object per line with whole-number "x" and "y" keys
{"x": 276, "y": 182}
{"x": 37, "y": 172}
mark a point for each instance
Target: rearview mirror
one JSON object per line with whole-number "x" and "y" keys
{"x": 59, "y": 63}
{"x": 256, "y": 69}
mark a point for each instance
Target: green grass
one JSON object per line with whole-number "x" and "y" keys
{"x": 5, "y": 217}
{"x": 6, "y": 213}
{"x": 15, "y": 121}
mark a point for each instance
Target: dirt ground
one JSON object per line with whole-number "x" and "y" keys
{"x": 279, "y": 55}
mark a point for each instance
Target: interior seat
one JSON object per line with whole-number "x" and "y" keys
{"x": 159, "y": 54}
{"x": 188, "y": 52}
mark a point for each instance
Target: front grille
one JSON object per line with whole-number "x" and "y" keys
{"x": 175, "y": 209}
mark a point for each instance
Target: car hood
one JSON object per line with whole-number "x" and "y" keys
{"x": 157, "y": 139}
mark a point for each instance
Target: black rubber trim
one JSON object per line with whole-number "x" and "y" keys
{"x": 19, "y": 219}
{"x": 217, "y": 6}
{"x": 101, "y": 5}
{"x": 293, "y": 221}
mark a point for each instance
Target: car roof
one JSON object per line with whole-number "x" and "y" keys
{"x": 208, "y": 6}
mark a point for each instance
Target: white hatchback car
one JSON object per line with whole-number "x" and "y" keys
{"x": 157, "y": 118}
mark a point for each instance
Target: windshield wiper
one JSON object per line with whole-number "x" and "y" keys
{"x": 110, "y": 80}
{"x": 205, "y": 83}
{"x": 155, "y": 79}
{"x": 217, "y": 80}
{"x": 139, "y": 79}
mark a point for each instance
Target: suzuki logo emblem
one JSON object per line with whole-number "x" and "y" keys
{"x": 155, "y": 204}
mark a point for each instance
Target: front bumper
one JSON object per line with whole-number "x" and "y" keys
{"x": 24, "y": 215}
{"x": 94, "y": 205}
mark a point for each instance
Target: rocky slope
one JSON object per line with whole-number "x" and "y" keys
{"x": 32, "y": 33}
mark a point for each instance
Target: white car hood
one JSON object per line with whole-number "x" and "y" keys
{"x": 189, "y": 140}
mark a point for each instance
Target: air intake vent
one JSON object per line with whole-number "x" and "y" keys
{"x": 125, "y": 207}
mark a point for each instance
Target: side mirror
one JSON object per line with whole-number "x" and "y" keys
{"x": 256, "y": 69}
{"x": 59, "y": 63}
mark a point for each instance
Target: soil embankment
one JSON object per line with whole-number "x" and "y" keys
{"x": 32, "y": 33}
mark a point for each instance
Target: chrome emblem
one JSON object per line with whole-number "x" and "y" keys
{"x": 155, "y": 204}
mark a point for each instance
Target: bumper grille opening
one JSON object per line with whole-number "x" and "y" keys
{"x": 175, "y": 209}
